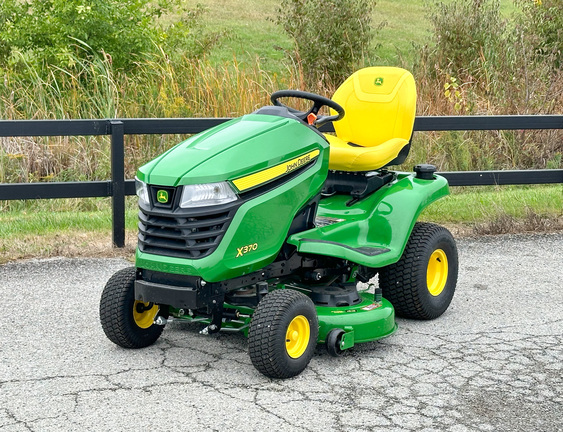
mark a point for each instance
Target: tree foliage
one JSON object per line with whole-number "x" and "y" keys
{"x": 55, "y": 32}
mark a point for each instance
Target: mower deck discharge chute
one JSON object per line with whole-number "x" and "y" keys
{"x": 264, "y": 225}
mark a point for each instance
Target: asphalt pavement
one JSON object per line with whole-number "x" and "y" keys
{"x": 492, "y": 362}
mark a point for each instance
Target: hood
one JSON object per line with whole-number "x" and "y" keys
{"x": 237, "y": 148}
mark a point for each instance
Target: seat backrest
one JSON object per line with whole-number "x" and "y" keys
{"x": 380, "y": 104}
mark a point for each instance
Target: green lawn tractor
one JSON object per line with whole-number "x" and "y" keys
{"x": 266, "y": 226}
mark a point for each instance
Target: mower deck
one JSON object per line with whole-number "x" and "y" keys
{"x": 367, "y": 321}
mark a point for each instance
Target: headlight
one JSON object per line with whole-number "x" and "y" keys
{"x": 142, "y": 191}
{"x": 202, "y": 195}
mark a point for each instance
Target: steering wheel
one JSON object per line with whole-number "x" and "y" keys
{"x": 309, "y": 117}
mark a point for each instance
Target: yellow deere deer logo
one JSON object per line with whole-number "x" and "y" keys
{"x": 378, "y": 81}
{"x": 162, "y": 196}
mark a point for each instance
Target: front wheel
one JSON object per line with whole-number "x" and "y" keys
{"x": 422, "y": 283}
{"x": 127, "y": 322}
{"x": 283, "y": 334}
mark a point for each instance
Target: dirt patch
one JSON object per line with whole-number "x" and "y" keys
{"x": 68, "y": 244}
{"x": 532, "y": 223}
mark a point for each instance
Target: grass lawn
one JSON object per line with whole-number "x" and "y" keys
{"x": 501, "y": 209}
{"x": 250, "y": 32}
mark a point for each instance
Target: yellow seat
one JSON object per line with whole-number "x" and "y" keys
{"x": 380, "y": 105}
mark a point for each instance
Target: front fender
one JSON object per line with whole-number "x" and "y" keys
{"x": 374, "y": 231}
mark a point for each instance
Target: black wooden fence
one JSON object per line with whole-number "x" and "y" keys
{"x": 118, "y": 187}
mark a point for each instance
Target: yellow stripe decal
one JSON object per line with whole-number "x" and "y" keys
{"x": 274, "y": 172}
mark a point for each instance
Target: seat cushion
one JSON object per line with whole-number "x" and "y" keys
{"x": 380, "y": 104}
{"x": 346, "y": 157}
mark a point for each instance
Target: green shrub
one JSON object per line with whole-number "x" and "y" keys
{"x": 542, "y": 22}
{"x": 481, "y": 63}
{"x": 468, "y": 35}
{"x": 55, "y": 32}
{"x": 514, "y": 68}
{"x": 331, "y": 37}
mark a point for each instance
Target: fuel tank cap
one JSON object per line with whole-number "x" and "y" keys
{"x": 425, "y": 171}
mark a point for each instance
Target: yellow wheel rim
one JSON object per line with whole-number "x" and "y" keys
{"x": 144, "y": 319}
{"x": 297, "y": 336}
{"x": 437, "y": 272}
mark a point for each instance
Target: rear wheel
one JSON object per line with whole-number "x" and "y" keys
{"x": 127, "y": 322}
{"x": 283, "y": 334}
{"x": 422, "y": 283}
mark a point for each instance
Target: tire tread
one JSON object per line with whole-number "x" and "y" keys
{"x": 116, "y": 313}
{"x": 400, "y": 282}
{"x": 266, "y": 353}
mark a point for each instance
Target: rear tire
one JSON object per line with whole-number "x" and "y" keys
{"x": 422, "y": 283}
{"x": 283, "y": 334}
{"x": 125, "y": 321}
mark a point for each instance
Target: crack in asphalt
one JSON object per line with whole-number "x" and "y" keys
{"x": 491, "y": 363}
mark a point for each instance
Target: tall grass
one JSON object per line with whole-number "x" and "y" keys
{"x": 159, "y": 88}
{"x": 163, "y": 87}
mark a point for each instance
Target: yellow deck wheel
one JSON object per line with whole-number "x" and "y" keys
{"x": 297, "y": 336}
{"x": 437, "y": 272}
{"x": 144, "y": 319}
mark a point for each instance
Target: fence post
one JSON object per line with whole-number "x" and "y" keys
{"x": 118, "y": 183}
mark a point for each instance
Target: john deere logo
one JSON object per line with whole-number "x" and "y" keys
{"x": 162, "y": 196}
{"x": 378, "y": 81}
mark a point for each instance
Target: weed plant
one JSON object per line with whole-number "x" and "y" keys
{"x": 479, "y": 63}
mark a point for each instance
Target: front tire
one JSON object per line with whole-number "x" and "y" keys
{"x": 127, "y": 322}
{"x": 422, "y": 283}
{"x": 283, "y": 334}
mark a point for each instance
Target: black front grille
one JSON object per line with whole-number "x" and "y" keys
{"x": 182, "y": 235}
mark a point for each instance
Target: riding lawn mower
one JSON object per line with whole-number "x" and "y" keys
{"x": 266, "y": 226}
